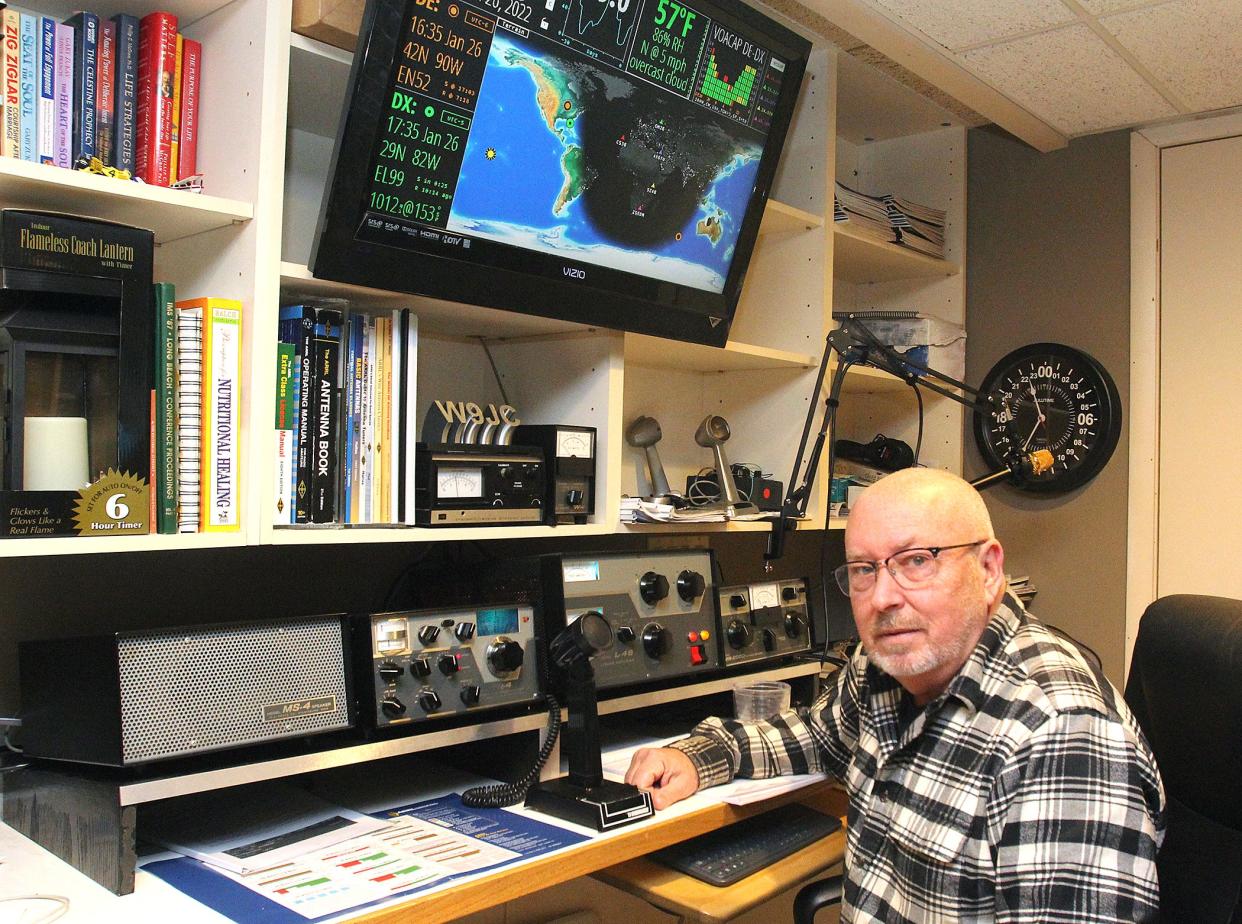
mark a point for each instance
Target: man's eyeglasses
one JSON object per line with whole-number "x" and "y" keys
{"x": 910, "y": 568}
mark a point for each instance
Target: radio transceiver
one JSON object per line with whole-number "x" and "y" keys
{"x": 473, "y": 484}
{"x": 764, "y": 621}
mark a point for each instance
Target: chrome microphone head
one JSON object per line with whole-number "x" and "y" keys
{"x": 713, "y": 431}
{"x": 643, "y": 434}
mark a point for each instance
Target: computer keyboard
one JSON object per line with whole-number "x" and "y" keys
{"x": 724, "y": 856}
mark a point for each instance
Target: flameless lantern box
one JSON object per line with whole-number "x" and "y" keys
{"x": 77, "y": 368}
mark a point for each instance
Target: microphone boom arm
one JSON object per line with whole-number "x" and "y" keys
{"x": 856, "y": 344}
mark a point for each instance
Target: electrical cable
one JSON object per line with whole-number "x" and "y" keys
{"x": 495, "y": 371}
{"x": 918, "y": 445}
{"x": 54, "y": 914}
{"x": 500, "y": 795}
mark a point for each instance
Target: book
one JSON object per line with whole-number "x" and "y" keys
{"x": 125, "y": 92}
{"x": 63, "y": 136}
{"x": 324, "y": 467}
{"x": 164, "y": 446}
{"x": 105, "y": 101}
{"x": 174, "y": 143}
{"x": 408, "y": 425}
{"x": 189, "y": 414}
{"x": 11, "y": 83}
{"x": 286, "y": 447}
{"x": 29, "y": 86}
{"x": 46, "y": 142}
{"x": 191, "y": 78}
{"x": 350, "y": 417}
{"x": 85, "y": 83}
{"x": 301, "y": 334}
{"x": 157, "y": 59}
{"x": 219, "y": 493}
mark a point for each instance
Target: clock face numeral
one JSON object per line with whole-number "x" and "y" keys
{"x": 1053, "y": 397}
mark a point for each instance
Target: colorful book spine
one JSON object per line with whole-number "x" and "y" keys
{"x": 11, "y": 83}
{"x": 189, "y": 414}
{"x": 220, "y": 493}
{"x": 125, "y": 92}
{"x": 286, "y": 448}
{"x": 30, "y": 87}
{"x": 394, "y": 412}
{"x": 302, "y": 317}
{"x": 64, "y": 95}
{"x": 47, "y": 91}
{"x": 174, "y": 145}
{"x": 105, "y": 105}
{"x": 409, "y": 422}
{"x": 366, "y": 438}
{"x": 349, "y": 418}
{"x": 325, "y": 466}
{"x": 157, "y": 60}
{"x": 85, "y": 84}
{"x": 164, "y": 446}
{"x": 191, "y": 78}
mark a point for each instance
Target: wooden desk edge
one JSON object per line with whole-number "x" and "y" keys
{"x": 525, "y": 878}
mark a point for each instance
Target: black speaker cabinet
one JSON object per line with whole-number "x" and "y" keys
{"x": 136, "y": 697}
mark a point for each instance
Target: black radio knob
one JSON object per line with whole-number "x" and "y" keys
{"x": 428, "y": 634}
{"x": 420, "y": 667}
{"x": 769, "y": 640}
{"x": 655, "y": 640}
{"x": 505, "y": 655}
{"x": 464, "y": 631}
{"x": 573, "y": 497}
{"x": 790, "y": 593}
{"x": 690, "y": 585}
{"x": 429, "y": 699}
{"x": 793, "y": 624}
{"x": 625, "y": 634}
{"x": 470, "y": 694}
{"x": 448, "y": 664}
{"x": 392, "y": 707}
{"x": 738, "y": 634}
{"x": 737, "y": 601}
{"x": 389, "y": 671}
{"x": 652, "y": 587}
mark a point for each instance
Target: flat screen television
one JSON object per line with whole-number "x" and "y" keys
{"x": 599, "y": 161}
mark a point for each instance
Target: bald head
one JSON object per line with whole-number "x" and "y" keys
{"x": 939, "y": 500}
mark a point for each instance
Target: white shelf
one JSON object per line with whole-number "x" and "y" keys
{"x": 428, "y": 739}
{"x": 187, "y": 12}
{"x": 779, "y": 218}
{"x": 171, "y": 213}
{"x": 340, "y": 535}
{"x": 89, "y": 545}
{"x": 659, "y": 353}
{"x": 861, "y": 259}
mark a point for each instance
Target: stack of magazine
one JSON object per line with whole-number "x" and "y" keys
{"x": 891, "y": 219}
{"x": 644, "y": 510}
{"x": 1022, "y": 587}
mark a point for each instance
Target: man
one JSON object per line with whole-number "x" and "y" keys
{"x": 992, "y": 773}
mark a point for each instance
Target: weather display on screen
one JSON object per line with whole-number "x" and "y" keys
{"x": 618, "y": 133}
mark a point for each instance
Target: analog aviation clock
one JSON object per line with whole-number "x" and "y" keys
{"x": 1053, "y": 397}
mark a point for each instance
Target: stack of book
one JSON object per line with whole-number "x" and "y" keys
{"x": 196, "y": 423}
{"x": 891, "y": 219}
{"x": 345, "y": 416}
{"x": 1022, "y": 587}
{"x": 123, "y": 91}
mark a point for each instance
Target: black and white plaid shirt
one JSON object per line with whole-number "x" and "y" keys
{"x": 1024, "y": 792}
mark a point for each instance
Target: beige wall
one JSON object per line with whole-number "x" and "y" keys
{"x": 1048, "y": 260}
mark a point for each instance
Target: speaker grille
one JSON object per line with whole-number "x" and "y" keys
{"x": 210, "y": 688}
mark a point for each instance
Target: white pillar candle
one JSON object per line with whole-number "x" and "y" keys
{"x": 55, "y": 456}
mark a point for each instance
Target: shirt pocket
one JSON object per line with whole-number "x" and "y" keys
{"x": 936, "y": 831}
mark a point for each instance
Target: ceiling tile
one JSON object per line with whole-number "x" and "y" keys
{"x": 961, "y": 23}
{"x": 1193, "y": 46}
{"x": 1070, "y": 79}
{"x": 1101, "y": 7}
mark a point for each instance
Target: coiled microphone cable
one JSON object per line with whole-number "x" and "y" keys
{"x": 499, "y": 795}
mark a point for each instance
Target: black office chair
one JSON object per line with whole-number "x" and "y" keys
{"x": 1185, "y": 688}
{"x": 816, "y": 896}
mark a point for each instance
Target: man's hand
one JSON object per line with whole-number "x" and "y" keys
{"x": 667, "y": 773}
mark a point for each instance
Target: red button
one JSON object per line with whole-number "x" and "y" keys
{"x": 698, "y": 654}
{"x": 767, "y": 493}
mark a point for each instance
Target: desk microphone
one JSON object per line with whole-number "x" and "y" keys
{"x": 1021, "y": 468}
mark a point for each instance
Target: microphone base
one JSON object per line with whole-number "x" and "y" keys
{"x": 603, "y": 806}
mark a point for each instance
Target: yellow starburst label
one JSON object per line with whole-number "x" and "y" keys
{"x": 118, "y": 504}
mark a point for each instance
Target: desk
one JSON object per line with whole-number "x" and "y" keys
{"x": 28, "y": 868}
{"x": 696, "y": 901}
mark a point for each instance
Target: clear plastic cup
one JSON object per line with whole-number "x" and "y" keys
{"x": 760, "y": 700}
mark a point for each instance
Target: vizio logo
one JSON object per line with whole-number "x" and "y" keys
{"x": 573, "y": 272}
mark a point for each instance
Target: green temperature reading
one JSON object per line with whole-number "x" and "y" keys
{"x": 671, "y": 15}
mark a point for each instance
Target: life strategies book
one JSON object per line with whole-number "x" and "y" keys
{"x": 125, "y": 92}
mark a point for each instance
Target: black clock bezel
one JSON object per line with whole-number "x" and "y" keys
{"x": 1110, "y": 412}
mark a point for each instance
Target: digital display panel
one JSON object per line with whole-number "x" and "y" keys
{"x": 497, "y": 622}
{"x": 616, "y": 145}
